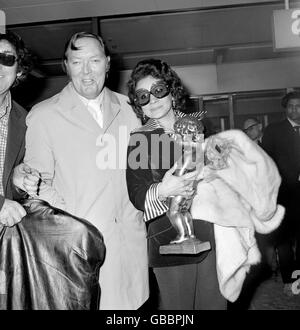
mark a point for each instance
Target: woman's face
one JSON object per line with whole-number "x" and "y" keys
{"x": 157, "y": 108}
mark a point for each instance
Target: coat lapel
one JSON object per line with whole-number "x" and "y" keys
{"x": 15, "y": 139}
{"x": 72, "y": 107}
{"x": 111, "y": 108}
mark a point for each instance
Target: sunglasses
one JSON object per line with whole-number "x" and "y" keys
{"x": 7, "y": 59}
{"x": 159, "y": 90}
{"x": 249, "y": 128}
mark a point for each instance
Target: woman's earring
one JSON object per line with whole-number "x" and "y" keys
{"x": 173, "y": 104}
{"x": 144, "y": 118}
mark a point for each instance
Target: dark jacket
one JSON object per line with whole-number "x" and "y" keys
{"x": 15, "y": 149}
{"x": 282, "y": 143}
{"x": 158, "y": 159}
{"x": 50, "y": 261}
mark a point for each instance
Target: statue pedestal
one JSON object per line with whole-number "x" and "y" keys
{"x": 190, "y": 246}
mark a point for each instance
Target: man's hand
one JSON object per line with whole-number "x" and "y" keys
{"x": 27, "y": 179}
{"x": 11, "y": 213}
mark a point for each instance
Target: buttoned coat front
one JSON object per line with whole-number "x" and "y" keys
{"x": 85, "y": 166}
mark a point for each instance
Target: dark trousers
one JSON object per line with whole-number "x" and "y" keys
{"x": 287, "y": 238}
{"x": 267, "y": 247}
{"x": 288, "y": 250}
{"x": 190, "y": 287}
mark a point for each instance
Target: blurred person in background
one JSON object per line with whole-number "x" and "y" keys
{"x": 253, "y": 128}
{"x": 281, "y": 140}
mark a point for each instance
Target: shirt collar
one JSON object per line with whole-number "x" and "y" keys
{"x": 6, "y": 106}
{"x": 98, "y": 100}
{"x": 293, "y": 123}
{"x": 155, "y": 124}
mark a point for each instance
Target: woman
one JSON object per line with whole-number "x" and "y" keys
{"x": 157, "y": 96}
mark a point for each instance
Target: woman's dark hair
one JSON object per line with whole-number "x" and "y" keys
{"x": 160, "y": 70}
{"x": 24, "y": 57}
{"x": 289, "y": 96}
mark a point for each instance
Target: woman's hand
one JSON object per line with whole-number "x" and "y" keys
{"x": 173, "y": 185}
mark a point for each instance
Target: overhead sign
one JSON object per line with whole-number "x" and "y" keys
{"x": 286, "y": 29}
{"x": 2, "y": 21}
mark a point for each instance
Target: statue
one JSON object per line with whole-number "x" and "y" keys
{"x": 188, "y": 133}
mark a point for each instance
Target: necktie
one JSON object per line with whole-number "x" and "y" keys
{"x": 297, "y": 130}
{"x": 96, "y": 111}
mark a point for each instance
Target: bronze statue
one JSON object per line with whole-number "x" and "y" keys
{"x": 188, "y": 133}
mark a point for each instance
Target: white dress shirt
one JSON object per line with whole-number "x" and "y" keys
{"x": 94, "y": 106}
{"x": 294, "y": 124}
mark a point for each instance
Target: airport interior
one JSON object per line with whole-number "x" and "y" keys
{"x": 236, "y": 58}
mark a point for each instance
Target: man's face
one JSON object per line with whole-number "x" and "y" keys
{"x": 254, "y": 132}
{"x": 87, "y": 67}
{"x": 293, "y": 110}
{"x": 8, "y": 74}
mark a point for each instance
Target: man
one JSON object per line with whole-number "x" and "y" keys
{"x": 15, "y": 62}
{"x": 253, "y": 128}
{"x": 67, "y": 140}
{"x": 282, "y": 142}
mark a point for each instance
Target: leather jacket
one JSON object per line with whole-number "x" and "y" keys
{"x": 50, "y": 261}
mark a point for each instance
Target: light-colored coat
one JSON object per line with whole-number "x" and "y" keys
{"x": 71, "y": 151}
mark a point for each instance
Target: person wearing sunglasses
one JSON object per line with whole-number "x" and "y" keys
{"x": 15, "y": 63}
{"x": 185, "y": 282}
{"x": 254, "y": 129}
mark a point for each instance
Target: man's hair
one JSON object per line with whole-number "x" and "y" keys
{"x": 249, "y": 122}
{"x": 25, "y": 59}
{"x": 70, "y": 44}
{"x": 289, "y": 96}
